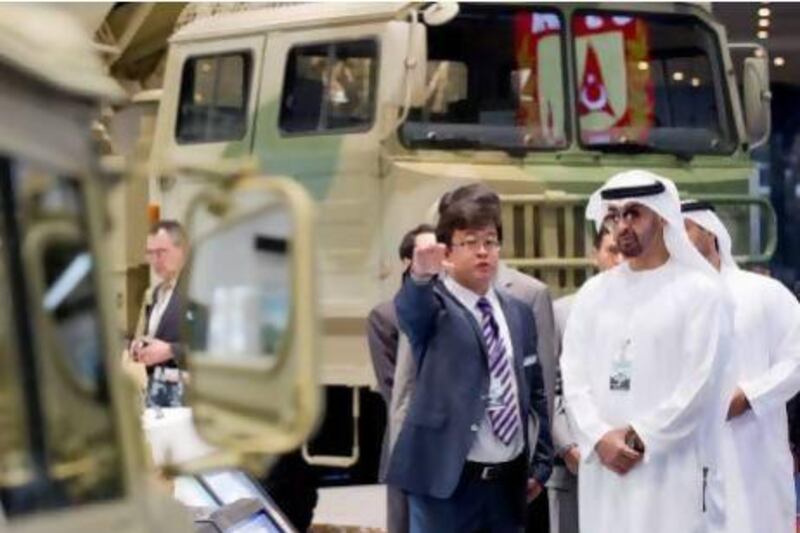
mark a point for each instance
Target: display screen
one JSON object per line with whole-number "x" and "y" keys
{"x": 257, "y": 523}
{"x": 191, "y": 493}
{"x": 232, "y": 485}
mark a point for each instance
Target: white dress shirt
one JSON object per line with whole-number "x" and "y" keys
{"x": 487, "y": 448}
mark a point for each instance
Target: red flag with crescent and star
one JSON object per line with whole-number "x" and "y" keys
{"x": 615, "y": 92}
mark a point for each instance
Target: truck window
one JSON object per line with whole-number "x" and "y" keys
{"x": 330, "y": 87}
{"x": 649, "y": 83}
{"x": 495, "y": 81}
{"x": 213, "y": 99}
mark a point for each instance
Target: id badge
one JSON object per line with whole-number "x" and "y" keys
{"x": 620, "y": 379}
{"x": 495, "y": 391}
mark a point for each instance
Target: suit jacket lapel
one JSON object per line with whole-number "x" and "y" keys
{"x": 169, "y": 314}
{"x": 515, "y": 330}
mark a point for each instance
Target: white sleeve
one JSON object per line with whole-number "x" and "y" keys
{"x": 679, "y": 416}
{"x": 581, "y": 405}
{"x": 781, "y": 382}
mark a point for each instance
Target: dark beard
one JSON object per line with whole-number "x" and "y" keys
{"x": 629, "y": 245}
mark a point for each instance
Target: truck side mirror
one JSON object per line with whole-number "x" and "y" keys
{"x": 251, "y": 317}
{"x": 756, "y": 100}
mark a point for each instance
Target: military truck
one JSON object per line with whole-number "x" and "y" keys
{"x": 377, "y": 109}
{"x": 73, "y": 454}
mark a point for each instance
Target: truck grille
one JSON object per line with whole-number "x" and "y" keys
{"x": 547, "y": 236}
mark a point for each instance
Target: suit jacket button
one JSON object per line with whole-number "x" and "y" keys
{"x": 474, "y": 427}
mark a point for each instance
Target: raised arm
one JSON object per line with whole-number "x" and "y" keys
{"x": 416, "y": 302}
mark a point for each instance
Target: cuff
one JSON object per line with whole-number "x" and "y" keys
{"x": 178, "y": 353}
{"x": 591, "y": 438}
{"x": 647, "y": 441}
{"x": 421, "y": 280}
{"x": 753, "y": 395}
{"x": 560, "y": 451}
{"x": 541, "y": 472}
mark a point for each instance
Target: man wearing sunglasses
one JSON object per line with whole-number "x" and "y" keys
{"x": 640, "y": 366}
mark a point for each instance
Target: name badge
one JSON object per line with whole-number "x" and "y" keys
{"x": 495, "y": 393}
{"x": 621, "y": 370}
{"x": 620, "y": 379}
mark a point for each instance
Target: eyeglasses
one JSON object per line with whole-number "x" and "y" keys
{"x": 473, "y": 245}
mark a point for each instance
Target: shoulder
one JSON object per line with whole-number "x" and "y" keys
{"x": 383, "y": 313}
{"x": 563, "y": 305}
{"x": 695, "y": 291}
{"x": 508, "y": 277}
{"x": 697, "y": 280}
{"x": 512, "y": 302}
{"x": 594, "y": 287}
{"x": 763, "y": 286}
{"x": 564, "y": 302}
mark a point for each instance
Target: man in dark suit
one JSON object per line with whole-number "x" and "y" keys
{"x": 158, "y": 345}
{"x": 462, "y": 454}
{"x": 536, "y": 295}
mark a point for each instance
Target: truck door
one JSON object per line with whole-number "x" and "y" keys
{"x": 206, "y": 115}
{"x": 318, "y": 123}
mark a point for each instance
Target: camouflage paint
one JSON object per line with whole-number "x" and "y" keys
{"x": 311, "y": 159}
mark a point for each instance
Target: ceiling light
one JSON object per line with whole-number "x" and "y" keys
{"x": 763, "y": 12}
{"x": 762, "y": 34}
{"x": 695, "y": 82}
{"x": 763, "y": 23}
{"x": 643, "y": 65}
{"x": 677, "y": 76}
{"x": 779, "y": 61}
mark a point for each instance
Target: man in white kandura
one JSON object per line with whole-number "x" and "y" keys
{"x": 763, "y": 373}
{"x": 640, "y": 366}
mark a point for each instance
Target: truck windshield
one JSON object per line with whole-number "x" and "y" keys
{"x": 649, "y": 83}
{"x": 495, "y": 81}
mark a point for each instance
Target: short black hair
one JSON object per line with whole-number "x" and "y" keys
{"x": 173, "y": 228}
{"x": 477, "y": 192}
{"x": 467, "y": 214}
{"x": 406, "y": 249}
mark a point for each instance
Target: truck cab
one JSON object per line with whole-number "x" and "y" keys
{"x": 378, "y": 109}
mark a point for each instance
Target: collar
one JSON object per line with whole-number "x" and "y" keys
{"x": 469, "y": 297}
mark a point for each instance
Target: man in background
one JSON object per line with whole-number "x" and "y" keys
{"x": 157, "y": 344}
{"x": 762, "y": 374}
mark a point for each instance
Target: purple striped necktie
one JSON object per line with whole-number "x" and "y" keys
{"x": 502, "y": 408}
